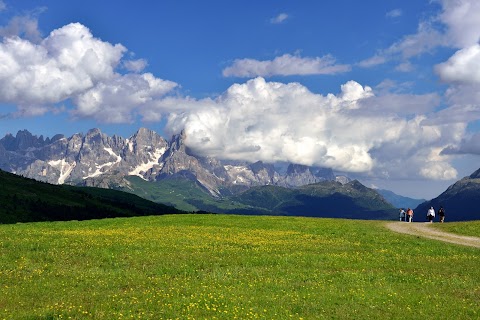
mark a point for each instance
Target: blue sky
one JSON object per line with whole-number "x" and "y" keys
{"x": 384, "y": 91}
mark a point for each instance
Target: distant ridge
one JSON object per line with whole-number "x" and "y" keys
{"x": 399, "y": 201}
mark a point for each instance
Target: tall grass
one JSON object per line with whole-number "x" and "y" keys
{"x": 232, "y": 267}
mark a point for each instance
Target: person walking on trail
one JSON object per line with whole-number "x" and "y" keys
{"x": 441, "y": 214}
{"x": 410, "y": 215}
{"x": 402, "y": 215}
{"x": 430, "y": 214}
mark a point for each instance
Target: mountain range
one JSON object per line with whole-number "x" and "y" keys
{"x": 95, "y": 159}
{"x": 168, "y": 172}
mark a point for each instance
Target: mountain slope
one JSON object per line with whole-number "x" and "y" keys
{"x": 323, "y": 199}
{"x": 27, "y": 200}
{"x": 460, "y": 200}
{"x": 399, "y": 201}
{"x": 182, "y": 193}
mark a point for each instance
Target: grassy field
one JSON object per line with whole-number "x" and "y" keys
{"x": 232, "y": 267}
{"x": 471, "y": 228}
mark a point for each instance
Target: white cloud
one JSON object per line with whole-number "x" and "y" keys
{"x": 279, "y": 19}
{"x": 284, "y": 65}
{"x": 395, "y": 13}
{"x": 438, "y": 171}
{"x": 373, "y": 61}
{"x": 462, "y": 67}
{"x": 461, "y": 70}
{"x": 72, "y": 64}
{"x": 135, "y": 65}
{"x": 462, "y": 18}
{"x": 68, "y": 61}
{"x": 25, "y": 26}
{"x": 353, "y": 131}
{"x": 119, "y": 99}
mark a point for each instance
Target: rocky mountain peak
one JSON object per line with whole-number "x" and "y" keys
{"x": 145, "y": 132}
{"x": 258, "y": 166}
{"x": 22, "y": 141}
{"x": 178, "y": 141}
{"x": 297, "y": 169}
{"x": 146, "y": 137}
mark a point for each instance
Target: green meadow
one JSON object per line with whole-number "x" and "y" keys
{"x": 471, "y": 228}
{"x": 232, "y": 267}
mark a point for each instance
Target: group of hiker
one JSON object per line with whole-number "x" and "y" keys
{"x": 407, "y": 216}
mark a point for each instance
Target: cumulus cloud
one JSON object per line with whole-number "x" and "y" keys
{"x": 351, "y": 131}
{"x": 70, "y": 63}
{"x": 438, "y": 171}
{"x": 284, "y": 65}
{"x": 120, "y": 98}
{"x": 279, "y": 19}
{"x": 462, "y": 67}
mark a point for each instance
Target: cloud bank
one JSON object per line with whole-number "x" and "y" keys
{"x": 353, "y": 131}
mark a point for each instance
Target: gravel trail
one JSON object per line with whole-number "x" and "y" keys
{"x": 424, "y": 229}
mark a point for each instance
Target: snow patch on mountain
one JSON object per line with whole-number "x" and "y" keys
{"x": 110, "y": 151}
{"x": 64, "y": 167}
{"x": 144, "y": 167}
{"x": 239, "y": 174}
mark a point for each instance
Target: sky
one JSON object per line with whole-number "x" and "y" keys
{"x": 384, "y": 91}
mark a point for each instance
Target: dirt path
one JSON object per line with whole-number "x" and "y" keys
{"x": 423, "y": 229}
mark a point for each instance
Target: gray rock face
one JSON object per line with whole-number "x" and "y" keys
{"x": 95, "y": 159}
{"x": 299, "y": 175}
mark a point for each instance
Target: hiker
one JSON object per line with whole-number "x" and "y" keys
{"x": 441, "y": 214}
{"x": 402, "y": 215}
{"x": 410, "y": 215}
{"x": 430, "y": 214}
